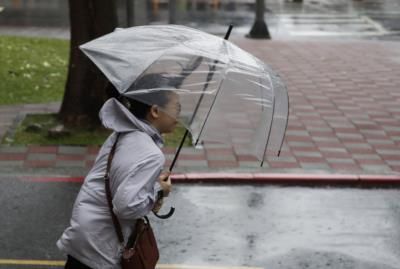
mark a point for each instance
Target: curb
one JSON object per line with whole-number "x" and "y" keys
{"x": 289, "y": 179}
{"x": 261, "y": 178}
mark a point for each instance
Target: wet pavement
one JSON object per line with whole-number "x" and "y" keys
{"x": 366, "y": 19}
{"x": 274, "y": 227}
{"x": 215, "y": 225}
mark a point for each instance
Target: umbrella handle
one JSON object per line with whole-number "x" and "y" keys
{"x": 166, "y": 216}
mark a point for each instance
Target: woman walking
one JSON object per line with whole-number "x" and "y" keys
{"x": 136, "y": 179}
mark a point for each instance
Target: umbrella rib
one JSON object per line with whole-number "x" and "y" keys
{"x": 147, "y": 68}
{"x": 151, "y": 64}
{"x": 280, "y": 117}
{"x": 286, "y": 125}
{"x": 209, "y": 111}
{"x": 270, "y": 127}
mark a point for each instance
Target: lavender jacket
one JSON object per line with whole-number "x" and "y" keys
{"x": 134, "y": 172}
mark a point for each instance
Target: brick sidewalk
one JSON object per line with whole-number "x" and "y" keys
{"x": 344, "y": 114}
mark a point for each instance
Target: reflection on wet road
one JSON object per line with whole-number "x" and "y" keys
{"x": 276, "y": 227}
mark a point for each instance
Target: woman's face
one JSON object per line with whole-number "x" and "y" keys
{"x": 169, "y": 114}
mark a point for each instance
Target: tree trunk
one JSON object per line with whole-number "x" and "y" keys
{"x": 130, "y": 13}
{"x": 259, "y": 28}
{"x": 172, "y": 11}
{"x": 86, "y": 86}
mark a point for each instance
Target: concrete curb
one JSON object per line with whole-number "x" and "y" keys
{"x": 288, "y": 179}
{"x": 261, "y": 178}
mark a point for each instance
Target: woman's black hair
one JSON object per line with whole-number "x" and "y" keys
{"x": 140, "y": 107}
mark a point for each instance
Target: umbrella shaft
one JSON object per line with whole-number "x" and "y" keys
{"x": 209, "y": 76}
{"x": 228, "y": 33}
{"x": 178, "y": 150}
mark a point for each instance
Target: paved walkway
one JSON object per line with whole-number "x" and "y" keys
{"x": 344, "y": 115}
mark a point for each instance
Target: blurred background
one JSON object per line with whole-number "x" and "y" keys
{"x": 376, "y": 19}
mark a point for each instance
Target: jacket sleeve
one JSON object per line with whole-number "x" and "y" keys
{"x": 136, "y": 195}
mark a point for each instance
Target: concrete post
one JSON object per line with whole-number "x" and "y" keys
{"x": 259, "y": 29}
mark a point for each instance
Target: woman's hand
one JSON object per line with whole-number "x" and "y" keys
{"x": 165, "y": 182}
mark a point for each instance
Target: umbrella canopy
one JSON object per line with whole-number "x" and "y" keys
{"x": 227, "y": 95}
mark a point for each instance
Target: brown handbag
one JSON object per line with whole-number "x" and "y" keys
{"x": 141, "y": 251}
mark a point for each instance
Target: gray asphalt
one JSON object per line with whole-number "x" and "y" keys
{"x": 261, "y": 226}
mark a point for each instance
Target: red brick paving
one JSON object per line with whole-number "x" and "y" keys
{"x": 42, "y": 149}
{"x": 12, "y": 156}
{"x": 222, "y": 164}
{"x": 344, "y": 97}
{"x": 39, "y": 164}
{"x": 70, "y": 157}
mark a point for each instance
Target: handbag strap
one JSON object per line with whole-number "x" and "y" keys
{"x": 115, "y": 220}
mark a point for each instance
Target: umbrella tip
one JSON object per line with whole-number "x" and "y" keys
{"x": 228, "y": 33}
{"x": 279, "y": 153}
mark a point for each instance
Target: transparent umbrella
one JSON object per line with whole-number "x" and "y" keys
{"x": 226, "y": 94}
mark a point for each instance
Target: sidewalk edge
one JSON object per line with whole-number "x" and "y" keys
{"x": 257, "y": 178}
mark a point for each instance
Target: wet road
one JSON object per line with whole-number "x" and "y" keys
{"x": 257, "y": 226}
{"x": 365, "y": 19}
